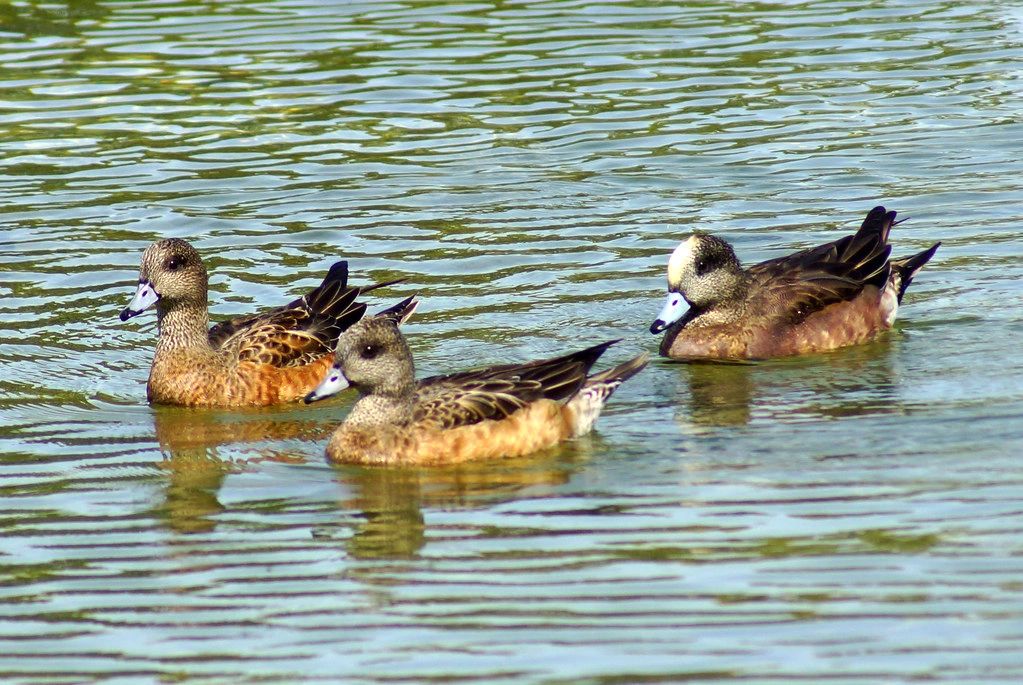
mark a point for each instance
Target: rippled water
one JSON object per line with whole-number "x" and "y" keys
{"x": 527, "y": 167}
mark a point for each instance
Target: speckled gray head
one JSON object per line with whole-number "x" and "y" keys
{"x": 373, "y": 357}
{"x": 702, "y": 271}
{"x": 171, "y": 271}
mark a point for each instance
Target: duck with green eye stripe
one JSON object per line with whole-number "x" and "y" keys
{"x": 841, "y": 293}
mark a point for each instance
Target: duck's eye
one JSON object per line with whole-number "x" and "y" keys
{"x": 174, "y": 263}
{"x": 369, "y": 352}
{"x": 702, "y": 267}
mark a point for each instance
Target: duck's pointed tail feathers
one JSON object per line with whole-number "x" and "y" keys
{"x": 617, "y": 375}
{"x": 333, "y": 307}
{"x": 589, "y": 401}
{"x": 905, "y": 268}
{"x": 383, "y": 284}
{"x": 401, "y": 312}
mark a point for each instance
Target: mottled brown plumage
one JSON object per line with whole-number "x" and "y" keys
{"x": 267, "y": 358}
{"x": 841, "y": 293}
{"x": 501, "y": 411}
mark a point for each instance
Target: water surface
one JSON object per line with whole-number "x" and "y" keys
{"x": 527, "y": 167}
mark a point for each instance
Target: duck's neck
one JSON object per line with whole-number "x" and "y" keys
{"x": 183, "y": 326}
{"x": 727, "y": 310}
{"x": 722, "y": 313}
{"x": 380, "y": 409}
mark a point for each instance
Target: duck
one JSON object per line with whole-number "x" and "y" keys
{"x": 501, "y": 411}
{"x": 263, "y": 359}
{"x": 841, "y": 293}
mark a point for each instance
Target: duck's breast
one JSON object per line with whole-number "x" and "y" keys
{"x": 540, "y": 425}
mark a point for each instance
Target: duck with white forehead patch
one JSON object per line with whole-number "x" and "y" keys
{"x": 841, "y": 293}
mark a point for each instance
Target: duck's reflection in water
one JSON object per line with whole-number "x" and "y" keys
{"x": 387, "y": 504}
{"x": 390, "y": 501}
{"x": 855, "y": 381}
{"x": 191, "y": 439}
{"x": 719, "y": 394}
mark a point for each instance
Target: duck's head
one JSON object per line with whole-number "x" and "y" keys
{"x": 702, "y": 271}
{"x": 371, "y": 356}
{"x": 172, "y": 272}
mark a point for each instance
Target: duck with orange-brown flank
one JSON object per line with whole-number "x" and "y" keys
{"x": 841, "y": 293}
{"x": 501, "y": 411}
{"x": 264, "y": 359}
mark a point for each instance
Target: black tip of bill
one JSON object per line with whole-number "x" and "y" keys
{"x": 657, "y": 326}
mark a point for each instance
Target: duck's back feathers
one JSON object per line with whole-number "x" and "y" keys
{"x": 443, "y": 404}
{"x": 805, "y": 282}
{"x": 465, "y": 398}
{"x": 297, "y": 333}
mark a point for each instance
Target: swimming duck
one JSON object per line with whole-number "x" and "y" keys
{"x": 262, "y": 359}
{"x": 501, "y": 411}
{"x": 841, "y": 293}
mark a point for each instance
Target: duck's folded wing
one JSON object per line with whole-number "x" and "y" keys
{"x": 797, "y": 285}
{"x": 266, "y": 342}
{"x": 445, "y": 404}
{"x": 792, "y": 300}
{"x": 465, "y": 398}
{"x": 298, "y": 332}
{"x": 292, "y": 335}
{"x": 224, "y": 331}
